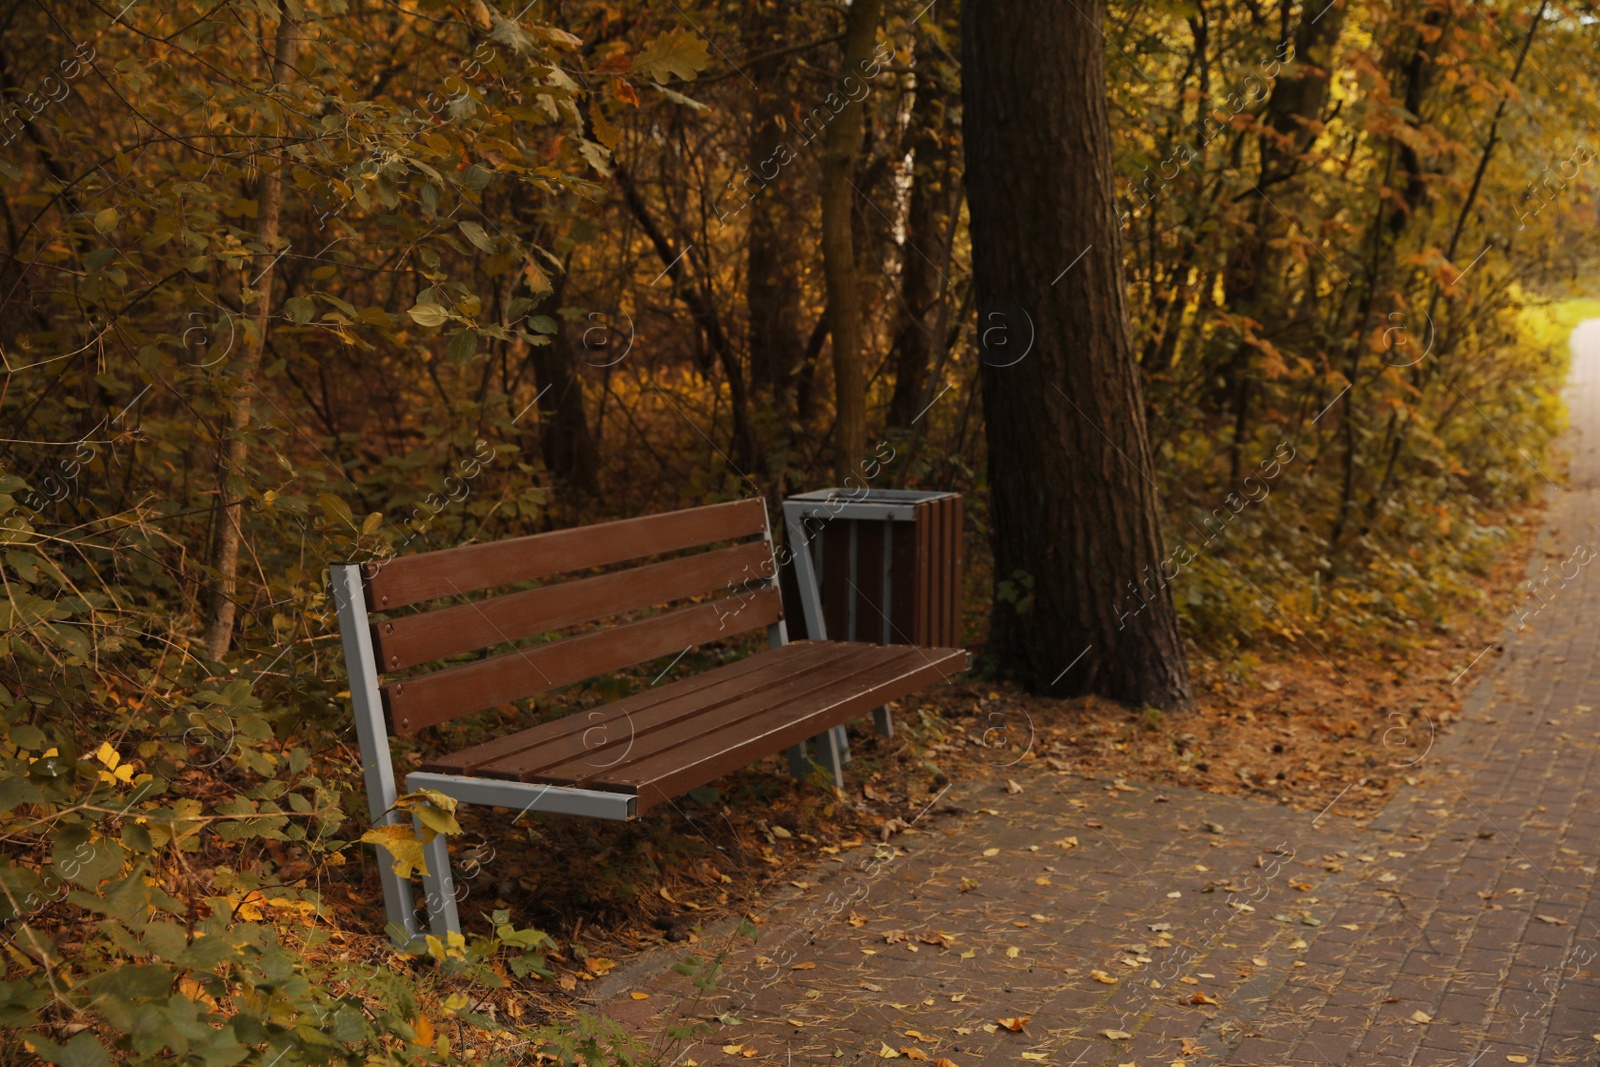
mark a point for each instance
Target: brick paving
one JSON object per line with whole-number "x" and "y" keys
{"x": 1457, "y": 928}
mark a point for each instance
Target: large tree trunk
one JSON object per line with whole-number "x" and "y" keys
{"x": 840, "y": 143}
{"x": 1072, "y": 506}
{"x": 222, "y": 605}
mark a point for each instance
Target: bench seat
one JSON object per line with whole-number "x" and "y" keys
{"x": 666, "y": 740}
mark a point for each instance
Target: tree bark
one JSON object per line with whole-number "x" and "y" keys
{"x": 924, "y": 259}
{"x": 1074, "y": 511}
{"x": 841, "y": 141}
{"x": 222, "y": 603}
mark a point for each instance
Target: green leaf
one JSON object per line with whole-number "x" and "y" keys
{"x": 105, "y": 220}
{"x": 681, "y": 51}
{"x": 82, "y": 1051}
{"x": 299, "y": 309}
{"x": 428, "y": 315}
{"x": 475, "y": 234}
{"x": 335, "y": 510}
{"x": 463, "y": 346}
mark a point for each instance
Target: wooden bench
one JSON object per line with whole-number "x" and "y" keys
{"x": 618, "y": 760}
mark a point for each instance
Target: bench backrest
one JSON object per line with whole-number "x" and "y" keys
{"x": 742, "y": 573}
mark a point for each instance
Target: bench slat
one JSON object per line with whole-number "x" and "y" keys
{"x": 431, "y": 635}
{"x": 856, "y": 668}
{"x": 396, "y": 583}
{"x": 577, "y": 732}
{"x": 713, "y": 755}
{"x": 443, "y": 695}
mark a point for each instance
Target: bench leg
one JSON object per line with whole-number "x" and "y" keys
{"x": 397, "y": 901}
{"x": 881, "y": 719}
{"x": 830, "y": 755}
{"x": 439, "y": 887}
{"x": 841, "y": 738}
{"x": 799, "y": 766}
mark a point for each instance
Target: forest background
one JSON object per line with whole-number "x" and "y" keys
{"x": 288, "y": 284}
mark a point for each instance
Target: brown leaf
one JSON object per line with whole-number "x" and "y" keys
{"x": 1012, "y": 787}
{"x": 1015, "y": 1025}
{"x": 937, "y": 937}
{"x": 1198, "y": 997}
{"x": 894, "y": 937}
{"x": 1116, "y": 1035}
{"x": 1551, "y": 919}
{"x": 912, "y": 1052}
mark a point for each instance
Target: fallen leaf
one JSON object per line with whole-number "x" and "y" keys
{"x": 1191, "y": 1047}
{"x": 1012, "y": 787}
{"x": 780, "y": 833}
{"x": 1016, "y": 1024}
{"x": 912, "y": 1052}
{"x": 1036, "y": 1057}
{"x": 600, "y": 965}
{"x": 944, "y": 1062}
{"x": 887, "y": 1053}
{"x": 808, "y": 965}
{"x": 991, "y": 852}
{"x": 1259, "y": 962}
{"x": 1203, "y": 998}
{"x": 636, "y": 995}
{"x": 939, "y": 937}
{"x": 1012, "y": 952}
{"x": 1421, "y": 1017}
{"x": 894, "y": 937}
{"x": 1551, "y": 919}
{"x": 1101, "y": 976}
{"x": 1116, "y": 1035}
{"x": 1189, "y": 980}
{"x": 1512, "y": 1057}
{"x": 1068, "y": 842}
{"x": 796, "y": 1023}
{"x": 1214, "y": 827}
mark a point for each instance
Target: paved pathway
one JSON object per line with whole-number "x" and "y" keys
{"x": 1460, "y": 927}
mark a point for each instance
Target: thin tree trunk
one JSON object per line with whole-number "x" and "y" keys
{"x": 924, "y": 258}
{"x": 1074, "y": 511}
{"x": 221, "y": 609}
{"x": 840, "y": 144}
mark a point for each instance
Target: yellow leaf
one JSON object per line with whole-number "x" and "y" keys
{"x": 1421, "y": 1017}
{"x": 433, "y": 809}
{"x": 1116, "y": 1035}
{"x": 636, "y": 995}
{"x": 248, "y": 907}
{"x": 733, "y": 1050}
{"x": 912, "y": 1052}
{"x": 887, "y": 1053}
{"x": 1514, "y": 1058}
{"x": 806, "y": 966}
{"x": 402, "y": 844}
{"x": 991, "y": 852}
{"x": 1016, "y": 1024}
{"x": 107, "y": 755}
{"x": 1101, "y": 976}
{"x": 424, "y": 1029}
{"x": 601, "y": 965}
{"x": 681, "y": 52}
{"x": 943, "y": 1061}
{"x": 1068, "y": 842}
{"x": 1013, "y": 952}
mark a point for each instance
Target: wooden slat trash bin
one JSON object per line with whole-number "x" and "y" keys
{"x": 711, "y": 575}
{"x": 880, "y": 565}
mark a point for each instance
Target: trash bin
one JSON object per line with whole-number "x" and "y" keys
{"x": 882, "y": 565}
